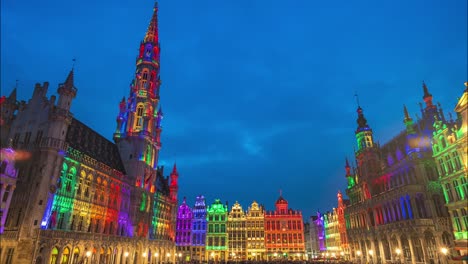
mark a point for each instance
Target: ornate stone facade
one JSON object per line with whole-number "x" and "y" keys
{"x": 79, "y": 197}
{"x": 450, "y": 147}
{"x": 217, "y": 236}
{"x": 236, "y": 228}
{"x": 255, "y": 234}
{"x": 284, "y": 233}
{"x": 396, "y": 210}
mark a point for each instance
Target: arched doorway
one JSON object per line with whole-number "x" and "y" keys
{"x": 102, "y": 256}
{"x": 417, "y": 248}
{"x": 431, "y": 247}
{"x": 54, "y": 256}
{"x": 386, "y": 250}
{"x": 405, "y": 248}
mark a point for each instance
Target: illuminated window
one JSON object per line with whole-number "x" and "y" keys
{"x": 65, "y": 256}
{"x": 456, "y": 221}
{"x": 464, "y": 215}
{"x": 139, "y": 117}
{"x": 464, "y": 186}
{"x": 54, "y": 255}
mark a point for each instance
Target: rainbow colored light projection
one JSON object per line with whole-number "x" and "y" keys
{"x": 86, "y": 197}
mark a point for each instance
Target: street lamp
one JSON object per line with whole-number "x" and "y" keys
{"x": 180, "y": 255}
{"x": 398, "y": 252}
{"x": 88, "y": 254}
{"x": 371, "y": 252}
{"x": 444, "y": 251}
{"x": 156, "y": 255}
{"x": 358, "y": 253}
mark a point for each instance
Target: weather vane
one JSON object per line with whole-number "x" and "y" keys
{"x": 73, "y": 64}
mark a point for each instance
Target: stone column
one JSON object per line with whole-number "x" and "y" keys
{"x": 60, "y": 254}
{"x": 410, "y": 242}
{"x": 382, "y": 252}
{"x": 402, "y": 255}
{"x": 414, "y": 208}
{"x": 2, "y": 191}
{"x": 424, "y": 246}
{"x": 374, "y": 251}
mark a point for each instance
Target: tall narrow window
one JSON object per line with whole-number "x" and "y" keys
{"x": 15, "y": 139}
{"x": 456, "y": 221}
{"x": 449, "y": 163}
{"x": 139, "y": 117}
{"x": 464, "y": 187}
{"x": 27, "y": 137}
{"x": 9, "y": 257}
{"x": 458, "y": 191}
{"x": 448, "y": 191}
{"x": 456, "y": 159}
{"x": 464, "y": 215}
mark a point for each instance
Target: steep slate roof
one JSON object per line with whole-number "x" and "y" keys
{"x": 91, "y": 143}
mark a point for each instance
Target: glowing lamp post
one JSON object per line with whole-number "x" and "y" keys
{"x": 126, "y": 256}
{"x": 444, "y": 251}
{"x": 88, "y": 254}
{"x": 358, "y": 253}
{"x": 398, "y": 253}
{"x": 156, "y": 255}
{"x": 371, "y": 253}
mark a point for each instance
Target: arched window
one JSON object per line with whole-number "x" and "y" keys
{"x": 54, "y": 255}
{"x": 65, "y": 256}
{"x": 139, "y": 117}
{"x": 76, "y": 255}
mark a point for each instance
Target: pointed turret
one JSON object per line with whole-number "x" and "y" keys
{"x": 67, "y": 91}
{"x": 363, "y": 132}
{"x": 174, "y": 186}
{"x": 408, "y": 121}
{"x": 429, "y": 112}
{"x": 12, "y": 97}
{"x": 152, "y": 34}
{"x": 426, "y": 91}
{"x": 348, "y": 168}
{"x": 362, "y": 122}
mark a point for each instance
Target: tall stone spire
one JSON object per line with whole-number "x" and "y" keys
{"x": 152, "y": 34}
{"x": 138, "y": 127}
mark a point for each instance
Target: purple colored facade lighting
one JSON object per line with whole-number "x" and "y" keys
{"x": 199, "y": 223}
{"x": 184, "y": 225}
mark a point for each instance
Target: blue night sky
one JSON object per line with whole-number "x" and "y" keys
{"x": 257, "y": 95}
